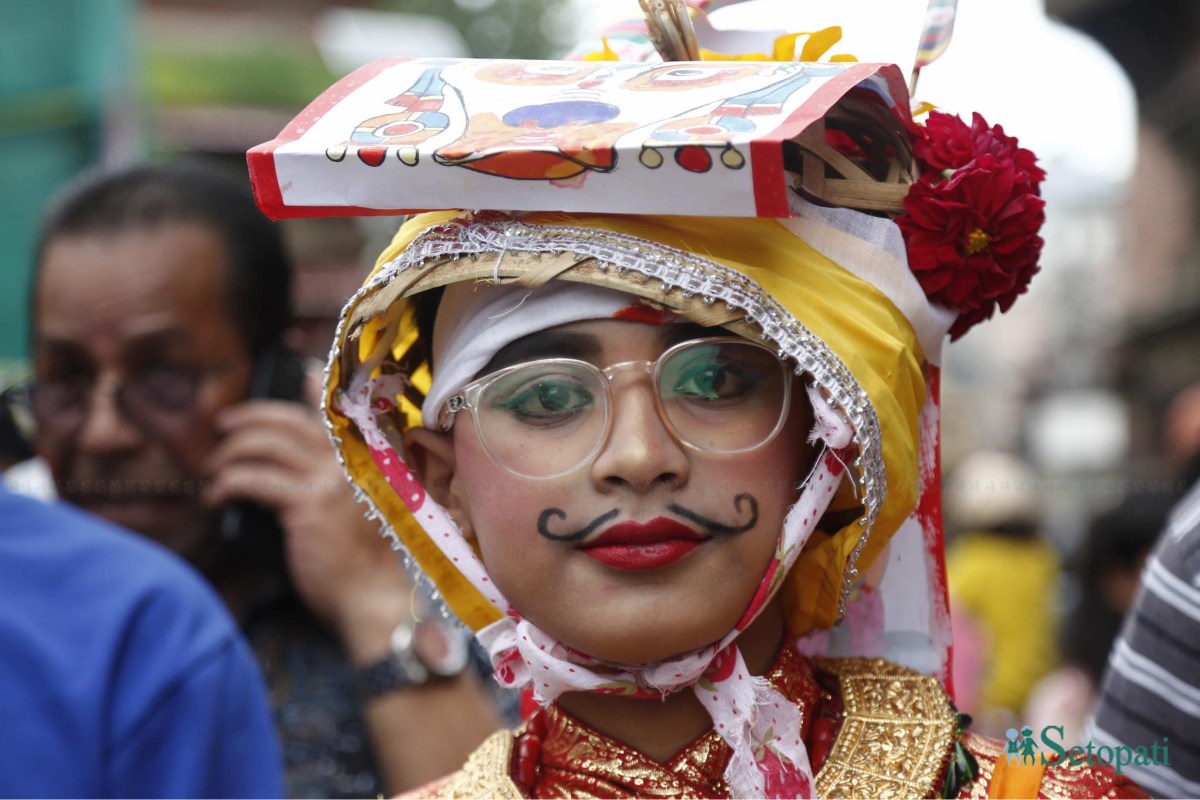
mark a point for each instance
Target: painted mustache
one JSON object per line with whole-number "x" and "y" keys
{"x": 579, "y": 535}
{"x": 709, "y": 526}
{"x": 720, "y": 528}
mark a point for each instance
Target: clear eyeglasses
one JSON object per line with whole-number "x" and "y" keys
{"x": 161, "y": 400}
{"x": 546, "y": 418}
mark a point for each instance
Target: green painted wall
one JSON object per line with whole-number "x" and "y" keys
{"x": 66, "y": 77}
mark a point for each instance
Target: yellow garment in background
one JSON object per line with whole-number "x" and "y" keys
{"x": 1008, "y": 586}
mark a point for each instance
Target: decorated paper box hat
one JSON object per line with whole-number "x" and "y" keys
{"x": 713, "y": 139}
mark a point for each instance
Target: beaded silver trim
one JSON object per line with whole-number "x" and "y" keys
{"x": 421, "y": 582}
{"x": 694, "y": 276}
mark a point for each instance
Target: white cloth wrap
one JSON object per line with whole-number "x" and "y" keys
{"x": 476, "y": 320}
{"x": 872, "y": 248}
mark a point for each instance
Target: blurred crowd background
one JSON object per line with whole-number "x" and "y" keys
{"x": 1083, "y": 385}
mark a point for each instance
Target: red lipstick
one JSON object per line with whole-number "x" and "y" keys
{"x": 643, "y": 545}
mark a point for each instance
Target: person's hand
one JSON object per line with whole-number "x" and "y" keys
{"x": 278, "y": 454}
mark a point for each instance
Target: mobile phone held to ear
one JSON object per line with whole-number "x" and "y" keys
{"x": 251, "y": 531}
{"x": 278, "y": 375}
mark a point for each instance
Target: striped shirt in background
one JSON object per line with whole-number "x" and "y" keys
{"x": 1151, "y": 689}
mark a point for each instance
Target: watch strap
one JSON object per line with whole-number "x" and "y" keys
{"x": 390, "y": 674}
{"x": 402, "y": 667}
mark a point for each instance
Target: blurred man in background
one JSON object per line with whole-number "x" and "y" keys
{"x": 166, "y": 400}
{"x": 1151, "y": 689}
{"x": 1103, "y": 574}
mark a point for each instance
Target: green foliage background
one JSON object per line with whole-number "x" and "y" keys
{"x": 244, "y": 71}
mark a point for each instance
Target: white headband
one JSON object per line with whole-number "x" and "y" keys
{"x": 476, "y": 320}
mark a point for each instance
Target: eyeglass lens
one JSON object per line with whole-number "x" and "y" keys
{"x": 546, "y": 418}
{"x": 158, "y": 399}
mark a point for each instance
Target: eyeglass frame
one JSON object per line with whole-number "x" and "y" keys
{"x": 26, "y": 395}
{"x": 467, "y": 397}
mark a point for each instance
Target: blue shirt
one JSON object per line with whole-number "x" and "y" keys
{"x": 121, "y": 673}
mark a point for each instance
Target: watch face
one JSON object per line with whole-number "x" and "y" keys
{"x": 442, "y": 648}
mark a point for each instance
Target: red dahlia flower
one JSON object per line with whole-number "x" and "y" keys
{"x": 943, "y": 143}
{"x": 972, "y": 220}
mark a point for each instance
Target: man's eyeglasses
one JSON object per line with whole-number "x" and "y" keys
{"x": 160, "y": 400}
{"x": 549, "y": 417}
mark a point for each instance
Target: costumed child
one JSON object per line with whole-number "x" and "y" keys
{"x": 672, "y": 454}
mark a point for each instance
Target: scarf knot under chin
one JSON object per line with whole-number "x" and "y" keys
{"x": 760, "y": 724}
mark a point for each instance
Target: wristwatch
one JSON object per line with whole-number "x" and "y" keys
{"x": 419, "y": 652}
